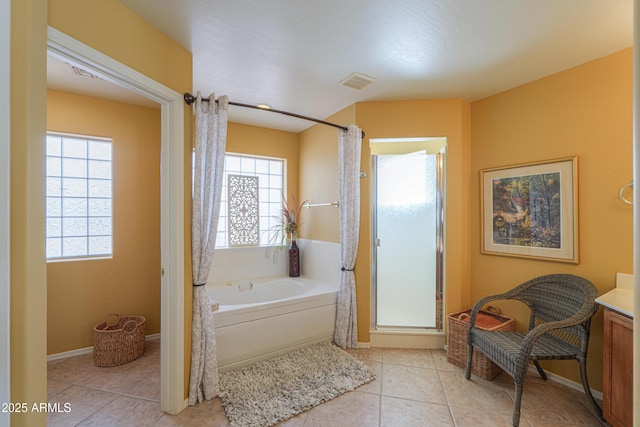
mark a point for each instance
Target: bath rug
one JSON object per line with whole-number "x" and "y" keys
{"x": 271, "y": 391}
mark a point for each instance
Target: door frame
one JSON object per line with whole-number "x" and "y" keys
{"x": 411, "y": 336}
{"x": 172, "y": 344}
{"x": 439, "y": 262}
{"x": 5, "y": 222}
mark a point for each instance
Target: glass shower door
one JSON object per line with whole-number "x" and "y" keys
{"x": 406, "y": 240}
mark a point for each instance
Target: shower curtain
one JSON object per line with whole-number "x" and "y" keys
{"x": 349, "y": 151}
{"x": 211, "y": 141}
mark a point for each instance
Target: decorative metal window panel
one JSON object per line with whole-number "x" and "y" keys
{"x": 243, "y": 211}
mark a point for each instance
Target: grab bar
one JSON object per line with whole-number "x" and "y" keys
{"x": 313, "y": 205}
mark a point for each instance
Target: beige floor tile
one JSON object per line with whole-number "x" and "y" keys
{"x": 412, "y": 388}
{"x": 419, "y": 358}
{"x": 441, "y": 362}
{"x": 297, "y": 421}
{"x": 83, "y": 402}
{"x": 475, "y": 393}
{"x": 582, "y": 398}
{"x": 554, "y": 404}
{"x": 73, "y": 370}
{"x": 408, "y": 382}
{"x": 54, "y": 388}
{"x": 350, "y": 409}
{"x": 115, "y": 379}
{"x": 473, "y": 417}
{"x": 147, "y": 388}
{"x": 374, "y": 354}
{"x": 210, "y": 415}
{"x": 374, "y": 386}
{"x": 126, "y": 411}
{"x": 404, "y": 413}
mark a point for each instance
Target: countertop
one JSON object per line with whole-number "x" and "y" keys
{"x": 620, "y": 298}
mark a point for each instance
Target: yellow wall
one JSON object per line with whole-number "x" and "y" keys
{"x": 319, "y": 176}
{"x": 259, "y": 141}
{"x": 113, "y": 29}
{"x": 427, "y": 118}
{"x": 585, "y": 111}
{"x": 28, "y": 273}
{"x": 400, "y": 119}
{"x": 81, "y": 294}
{"x": 116, "y": 31}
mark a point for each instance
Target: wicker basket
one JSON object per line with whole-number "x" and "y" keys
{"x": 458, "y": 330}
{"x": 119, "y": 342}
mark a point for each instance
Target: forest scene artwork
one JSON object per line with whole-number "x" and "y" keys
{"x": 526, "y": 210}
{"x": 530, "y": 210}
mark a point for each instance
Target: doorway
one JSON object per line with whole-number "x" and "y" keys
{"x": 407, "y": 233}
{"x": 171, "y": 206}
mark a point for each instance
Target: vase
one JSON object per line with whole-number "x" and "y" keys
{"x": 294, "y": 258}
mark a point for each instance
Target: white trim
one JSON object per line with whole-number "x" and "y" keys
{"x": 567, "y": 382}
{"x": 87, "y": 350}
{"x": 5, "y": 226}
{"x": 172, "y": 360}
{"x": 407, "y": 339}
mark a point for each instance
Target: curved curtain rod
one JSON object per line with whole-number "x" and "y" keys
{"x": 190, "y": 99}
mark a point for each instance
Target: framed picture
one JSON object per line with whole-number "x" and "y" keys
{"x": 531, "y": 210}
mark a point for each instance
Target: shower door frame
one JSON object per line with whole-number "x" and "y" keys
{"x": 440, "y": 243}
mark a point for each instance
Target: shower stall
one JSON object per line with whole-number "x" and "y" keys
{"x": 407, "y": 234}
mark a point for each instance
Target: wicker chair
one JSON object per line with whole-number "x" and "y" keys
{"x": 562, "y": 306}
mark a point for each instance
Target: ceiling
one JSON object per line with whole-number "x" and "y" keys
{"x": 292, "y": 54}
{"x": 67, "y": 77}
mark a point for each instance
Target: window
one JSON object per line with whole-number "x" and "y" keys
{"x": 270, "y": 189}
{"x": 79, "y": 200}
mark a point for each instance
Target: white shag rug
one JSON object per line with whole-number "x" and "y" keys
{"x": 271, "y": 391}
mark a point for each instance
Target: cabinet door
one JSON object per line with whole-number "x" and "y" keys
{"x": 618, "y": 365}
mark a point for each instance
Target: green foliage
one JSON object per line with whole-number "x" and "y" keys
{"x": 527, "y": 210}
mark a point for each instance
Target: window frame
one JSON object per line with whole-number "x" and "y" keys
{"x": 272, "y": 217}
{"x": 85, "y": 255}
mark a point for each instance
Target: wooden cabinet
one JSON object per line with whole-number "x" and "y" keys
{"x": 618, "y": 364}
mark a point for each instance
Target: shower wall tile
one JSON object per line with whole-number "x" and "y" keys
{"x": 235, "y": 264}
{"x": 320, "y": 261}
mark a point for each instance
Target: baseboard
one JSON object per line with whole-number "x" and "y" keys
{"x": 567, "y": 382}
{"x": 561, "y": 380}
{"x": 364, "y": 344}
{"x": 407, "y": 339}
{"x": 87, "y": 350}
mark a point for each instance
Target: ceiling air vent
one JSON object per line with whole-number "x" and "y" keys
{"x": 82, "y": 73}
{"x": 357, "y": 81}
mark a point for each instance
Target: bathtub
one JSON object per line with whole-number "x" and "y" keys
{"x": 261, "y": 318}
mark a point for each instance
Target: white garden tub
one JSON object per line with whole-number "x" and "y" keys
{"x": 262, "y": 318}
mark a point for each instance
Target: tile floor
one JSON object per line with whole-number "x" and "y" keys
{"x": 412, "y": 388}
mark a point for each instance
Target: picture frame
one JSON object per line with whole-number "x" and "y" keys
{"x": 531, "y": 210}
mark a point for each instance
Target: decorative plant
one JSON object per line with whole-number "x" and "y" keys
{"x": 291, "y": 216}
{"x": 287, "y": 226}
